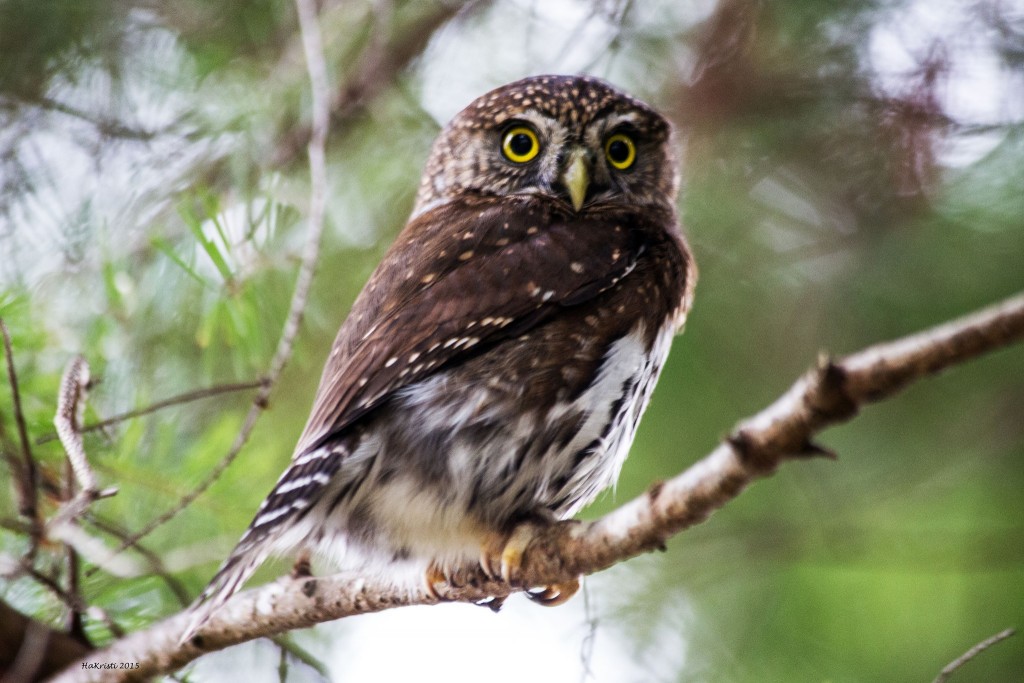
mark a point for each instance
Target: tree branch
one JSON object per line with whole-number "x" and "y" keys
{"x": 187, "y": 397}
{"x": 30, "y": 650}
{"x": 951, "y": 668}
{"x": 376, "y": 69}
{"x": 831, "y": 392}
{"x": 68, "y": 420}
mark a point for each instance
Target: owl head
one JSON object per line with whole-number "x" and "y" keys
{"x": 574, "y": 139}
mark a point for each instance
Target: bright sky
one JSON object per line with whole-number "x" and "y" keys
{"x": 977, "y": 89}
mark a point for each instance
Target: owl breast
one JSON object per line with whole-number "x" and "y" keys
{"x": 518, "y": 433}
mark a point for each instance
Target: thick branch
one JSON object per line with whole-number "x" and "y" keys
{"x": 830, "y": 393}
{"x": 30, "y": 650}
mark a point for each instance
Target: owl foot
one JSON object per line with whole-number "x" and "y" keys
{"x": 502, "y": 558}
{"x": 437, "y": 577}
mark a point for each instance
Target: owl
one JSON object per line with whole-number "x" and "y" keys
{"x": 495, "y": 367}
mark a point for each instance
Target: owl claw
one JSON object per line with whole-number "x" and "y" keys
{"x": 493, "y": 603}
{"x": 514, "y": 551}
{"x": 554, "y": 595}
{"x": 508, "y": 553}
{"x": 433, "y": 578}
{"x": 501, "y": 556}
{"x": 490, "y": 549}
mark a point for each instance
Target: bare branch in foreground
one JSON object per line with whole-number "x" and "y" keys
{"x": 152, "y": 559}
{"x": 70, "y": 402}
{"x": 830, "y": 393}
{"x": 950, "y": 668}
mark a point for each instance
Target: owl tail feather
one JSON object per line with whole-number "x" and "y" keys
{"x": 294, "y": 495}
{"x": 226, "y": 582}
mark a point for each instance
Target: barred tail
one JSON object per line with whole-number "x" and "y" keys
{"x": 239, "y": 566}
{"x": 295, "y": 493}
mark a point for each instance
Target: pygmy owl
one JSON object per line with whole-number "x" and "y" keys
{"x": 495, "y": 367}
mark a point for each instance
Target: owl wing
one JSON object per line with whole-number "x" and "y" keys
{"x": 459, "y": 279}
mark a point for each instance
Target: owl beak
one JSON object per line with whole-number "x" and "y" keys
{"x": 576, "y": 178}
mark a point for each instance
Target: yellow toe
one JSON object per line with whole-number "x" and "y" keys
{"x": 514, "y": 551}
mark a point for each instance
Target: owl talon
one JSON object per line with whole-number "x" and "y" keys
{"x": 509, "y": 552}
{"x": 490, "y": 549}
{"x": 493, "y": 603}
{"x": 556, "y": 594}
{"x": 433, "y": 578}
{"x": 501, "y": 555}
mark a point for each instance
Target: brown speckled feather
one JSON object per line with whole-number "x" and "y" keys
{"x": 507, "y": 271}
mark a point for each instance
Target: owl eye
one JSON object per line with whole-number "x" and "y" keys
{"x": 620, "y": 151}
{"x": 520, "y": 145}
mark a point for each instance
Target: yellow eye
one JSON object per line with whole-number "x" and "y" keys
{"x": 520, "y": 145}
{"x": 620, "y": 151}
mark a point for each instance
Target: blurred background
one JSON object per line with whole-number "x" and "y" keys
{"x": 853, "y": 171}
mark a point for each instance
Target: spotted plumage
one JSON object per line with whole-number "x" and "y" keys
{"x": 495, "y": 367}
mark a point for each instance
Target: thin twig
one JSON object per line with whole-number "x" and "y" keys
{"x": 108, "y": 127}
{"x": 830, "y": 393}
{"x": 307, "y": 269}
{"x": 617, "y": 16}
{"x": 589, "y": 638}
{"x": 70, "y": 404}
{"x": 189, "y": 498}
{"x": 300, "y": 654}
{"x": 16, "y": 525}
{"x": 155, "y": 562}
{"x": 375, "y": 71}
{"x": 25, "y": 479}
{"x": 73, "y": 602}
{"x": 948, "y": 670}
{"x": 186, "y": 397}
{"x": 282, "y": 665}
{"x": 70, "y": 601}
